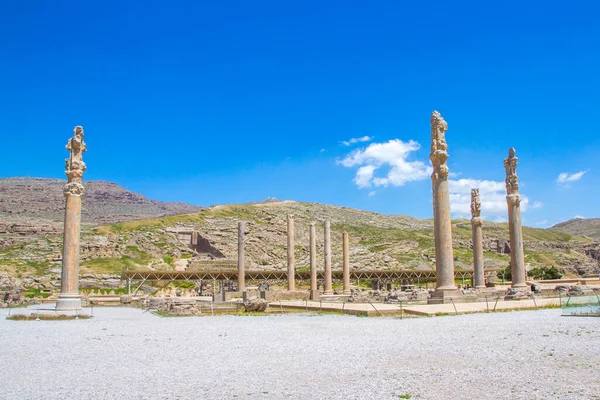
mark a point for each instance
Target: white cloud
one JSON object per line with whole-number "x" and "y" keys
{"x": 322, "y": 150}
{"x": 500, "y": 220}
{"x": 364, "y": 176}
{"x": 491, "y": 193}
{"x": 393, "y": 154}
{"x": 578, "y": 217}
{"x": 564, "y": 177}
{"x": 357, "y": 140}
{"x": 371, "y": 193}
{"x": 541, "y": 223}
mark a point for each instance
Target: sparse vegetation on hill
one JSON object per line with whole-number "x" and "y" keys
{"x": 589, "y": 227}
{"x": 377, "y": 242}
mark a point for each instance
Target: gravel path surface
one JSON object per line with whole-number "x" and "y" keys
{"x": 127, "y": 354}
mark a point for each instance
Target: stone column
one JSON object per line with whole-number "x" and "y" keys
{"x": 290, "y": 253}
{"x": 476, "y": 226}
{"x": 241, "y": 257}
{"x": 346, "y": 264}
{"x": 314, "y": 293}
{"x": 327, "y": 247}
{"x": 69, "y": 298}
{"x": 517, "y": 256}
{"x": 442, "y": 223}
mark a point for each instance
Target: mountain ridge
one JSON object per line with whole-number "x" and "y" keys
{"x": 581, "y": 226}
{"x": 27, "y": 199}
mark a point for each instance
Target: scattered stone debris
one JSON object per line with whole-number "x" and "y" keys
{"x": 13, "y": 298}
{"x": 517, "y": 294}
{"x": 255, "y": 304}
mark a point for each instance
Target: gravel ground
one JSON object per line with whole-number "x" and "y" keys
{"x": 126, "y": 354}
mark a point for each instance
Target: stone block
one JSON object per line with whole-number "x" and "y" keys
{"x": 232, "y": 295}
{"x": 446, "y": 297}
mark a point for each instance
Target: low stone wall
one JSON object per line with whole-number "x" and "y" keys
{"x": 276, "y": 295}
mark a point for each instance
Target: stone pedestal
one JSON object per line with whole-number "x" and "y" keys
{"x": 241, "y": 257}
{"x": 314, "y": 295}
{"x": 313, "y": 259}
{"x": 444, "y": 258}
{"x": 446, "y": 297}
{"x": 69, "y": 298}
{"x": 346, "y": 263}
{"x": 327, "y": 249}
{"x": 290, "y": 253}
{"x": 517, "y": 256}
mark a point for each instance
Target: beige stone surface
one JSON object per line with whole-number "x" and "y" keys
{"x": 290, "y": 253}
{"x": 75, "y": 167}
{"x": 477, "y": 228}
{"x": 444, "y": 259}
{"x": 241, "y": 257}
{"x": 313, "y": 257}
{"x": 517, "y": 255}
{"x": 346, "y": 262}
{"x": 327, "y": 251}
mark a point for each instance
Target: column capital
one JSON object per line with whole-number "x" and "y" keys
{"x": 475, "y": 203}
{"x": 439, "y": 147}
{"x": 477, "y": 221}
{"x": 512, "y": 179}
{"x": 73, "y": 189}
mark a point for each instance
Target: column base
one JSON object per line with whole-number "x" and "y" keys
{"x": 347, "y": 292}
{"x": 328, "y": 292}
{"x": 68, "y": 302}
{"x": 314, "y": 295}
{"x": 519, "y": 285}
{"x": 446, "y": 297}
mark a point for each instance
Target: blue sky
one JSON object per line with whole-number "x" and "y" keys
{"x": 232, "y": 102}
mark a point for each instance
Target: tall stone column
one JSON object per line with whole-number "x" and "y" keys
{"x": 290, "y": 253}
{"x": 477, "y": 226}
{"x": 241, "y": 257}
{"x": 314, "y": 293}
{"x": 517, "y": 256}
{"x": 346, "y": 263}
{"x": 69, "y": 298}
{"x": 442, "y": 223}
{"x": 327, "y": 247}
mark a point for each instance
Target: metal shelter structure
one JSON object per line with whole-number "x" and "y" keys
{"x": 221, "y": 274}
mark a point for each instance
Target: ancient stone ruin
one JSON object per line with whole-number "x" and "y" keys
{"x": 476, "y": 225}
{"x": 517, "y": 256}
{"x": 69, "y": 298}
{"x": 442, "y": 223}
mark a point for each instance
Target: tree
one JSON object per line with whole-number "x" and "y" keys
{"x": 544, "y": 273}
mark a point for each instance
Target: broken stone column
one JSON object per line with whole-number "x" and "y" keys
{"x": 314, "y": 292}
{"x": 477, "y": 227}
{"x": 442, "y": 223}
{"x": 517, "y": 256}
{"x": 241, "y": 257}
{"x": 346, "y": 262}
{"x": 69, "y": 298}
{"x": 327, "y": 249}
{"x": 290, "y": 253}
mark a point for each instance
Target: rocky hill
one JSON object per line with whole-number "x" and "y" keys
{"x": 580, "y": 226}
{"x": 377, "y": 242}
{"x": 26, "y": 201}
